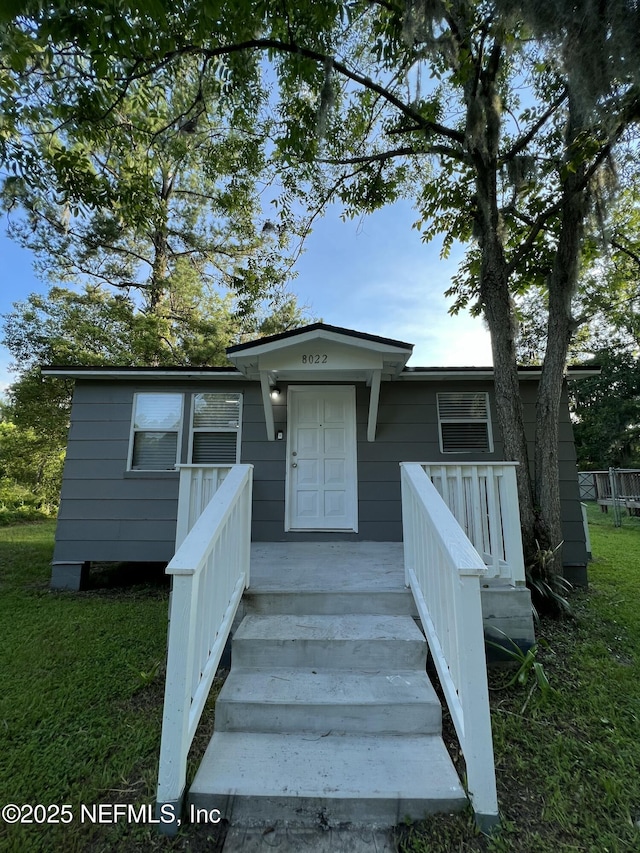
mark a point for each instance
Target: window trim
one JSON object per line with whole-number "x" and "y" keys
{"x": 486, "y": 421}
{"x": 132, "y": 432}
{"x": 193, "y": 430}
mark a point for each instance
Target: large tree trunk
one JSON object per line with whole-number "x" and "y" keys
{"x": 499, "y": 314}
{"x": 482, "y": 141}
{"x": 562, "y": 285}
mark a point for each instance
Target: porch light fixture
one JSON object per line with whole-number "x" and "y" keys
{"x": 274, "y": 393}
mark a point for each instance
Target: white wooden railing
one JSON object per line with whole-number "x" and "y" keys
{"x": 210, "y": 571}
{"x": 484, "y": 501}
{"x": 198, "y": 484}
{"x": 443, "y": 570}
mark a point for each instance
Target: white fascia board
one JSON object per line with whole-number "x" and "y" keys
{"x": 142, "y": 373}
{"x": 447, "y": 375}
{"x": 486, "y": 373}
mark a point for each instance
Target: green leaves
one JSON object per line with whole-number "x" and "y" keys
{"x": 529, "y": 671}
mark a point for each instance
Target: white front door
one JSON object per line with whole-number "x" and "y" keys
{"x": 321, "y": 459}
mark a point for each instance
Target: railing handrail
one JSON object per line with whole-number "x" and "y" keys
{"x": 210, "y": 571}
{"x": 618, "y": 470}
{"x": 453, "y": 625}
{"x": 488, "y": 464}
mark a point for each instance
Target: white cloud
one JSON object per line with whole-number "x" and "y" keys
{"x": 379, "y": 278}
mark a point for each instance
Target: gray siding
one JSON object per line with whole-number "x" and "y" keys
{"x": 108, "y": 513}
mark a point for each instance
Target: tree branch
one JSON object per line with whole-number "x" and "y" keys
{"x": 627, "y": 115}
{"x": 522, "y": 143}
{"x": 265, "y": 44}
{"x": 635, "y": 257}
{"x": 406, "y": 151}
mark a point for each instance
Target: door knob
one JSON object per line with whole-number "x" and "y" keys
{"x": 294, "y": 464}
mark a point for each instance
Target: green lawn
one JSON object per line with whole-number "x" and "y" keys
{"x": 80, "y": 713}
{"x": 80, "y": 708}
{"x": 568, "y": 769}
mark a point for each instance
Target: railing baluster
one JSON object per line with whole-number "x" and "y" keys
{"x": 444, "y": 480}
{"x": 493, "y": 524}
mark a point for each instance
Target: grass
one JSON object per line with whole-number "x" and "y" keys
{"x": 81, "y": 704}
{"x": 567, "y": 770}
{"x": 80, "y": 713}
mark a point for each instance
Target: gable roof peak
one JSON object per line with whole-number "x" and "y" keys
{"x": 320, "y": 330}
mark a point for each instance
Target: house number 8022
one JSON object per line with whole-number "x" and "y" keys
{"x": 317, "y": 358}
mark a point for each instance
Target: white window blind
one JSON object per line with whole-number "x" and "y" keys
{"x": 215, "y": 435}
{"x": 464, "y": 422}
{"x": 155, "y": 431}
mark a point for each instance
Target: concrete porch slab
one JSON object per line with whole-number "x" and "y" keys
{"x": 343, "y": 570}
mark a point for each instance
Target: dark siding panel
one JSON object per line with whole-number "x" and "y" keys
{"x": 99, "y": 430}
{"x": 95, "y": 469}
{"x": 412, "y": 413}
{"x": 108, "y": 449}
{"x": 98, "y": 393}
{"x": 116, "y": 551}
{"x": 268, "y": 490}
{"x": 138, "y": 489}
{"x": 269, "y": 511}
{"x": 105, "y": 508}
{"x": 268, "y": 471}
{"x": 263, "y": 451}
{"x": 254, "y": 432}
{"x": 574, "y": 552}
{"x": 112, "y": 413}
{"x": 380, "y": 472}
{"x": 381, "y": 531}
{"x": 401, "y": 451}
{"x": 384, "y": 510}
{"x": 567, "y": 454}
{"x": 267, "y": 531}
{"x": 124, "y": 530}
{"x": 407, "y": 432}
{"x": 384, "y": 491}
{"x": 252, "y": 413}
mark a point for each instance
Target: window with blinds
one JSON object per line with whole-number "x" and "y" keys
{"x": 215, "y": 428}
{"x": 155, "y": 431}
{"x": 464, "y": 422}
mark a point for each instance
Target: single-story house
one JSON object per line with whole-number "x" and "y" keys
{"x": 324, "y": 414}
{"x": 329, "y": 495}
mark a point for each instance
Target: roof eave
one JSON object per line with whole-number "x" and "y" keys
{"x": 82, "y": 372}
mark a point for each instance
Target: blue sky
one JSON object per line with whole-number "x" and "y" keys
{"x": 374, "y": 275}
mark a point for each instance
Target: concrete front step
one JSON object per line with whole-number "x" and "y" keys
{"x": 355, "y": 642}
{"x": 315, "y": 780}
{"x": 323, "y": 701}
{"x": 324, "y": 602}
